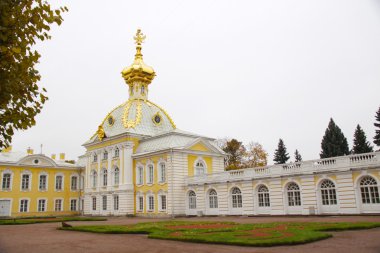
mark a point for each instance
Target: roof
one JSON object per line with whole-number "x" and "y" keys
{"x": 176, "y": 139}
{"x": 136, "y": 116}
{"x": 22, "y": 158}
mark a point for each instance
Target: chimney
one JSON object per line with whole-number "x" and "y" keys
{"x": 53, "y": 156}
{"x": 62, "y": 156}
{"x": 7, "y": 149}
{"x": 29, "y": 151}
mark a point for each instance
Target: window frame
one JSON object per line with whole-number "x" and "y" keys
{"x": 200, "y": 167}
{"x": 140, "y": 175}
{"x": 22, "y": 208}
{"x": 372, "y": 195}
{"x": 93, "y": 203}
{"x": 116, "y": 152}
{"x": 192, "y": 200}
{"x": 29, "y": 188}
{"x": 45, "y": 205}
{"x": 61, "y": 204}
{"x": 76, "y": 183}
{"x": 293, "y": 195}
{"x": 150, "y": 202}
{"x": 104, "y": 177}
{"x": 46, "y": 182}
{"x": 116, "y": 172}
{"x": 94, "y": 178}
{"x": 9, "y": 188}
{"x": 150, "y": 174}
{"x": 104, "y": 202}
{"x": 62, "y": 182}
{"x": 213, "y": 199}
{"x": 263, "y": 196}
{"x": 161, "y": 172}
{"x": 236, "y": 198}
{"x": 116, "y": 202}
{"x": 76, "y": 205}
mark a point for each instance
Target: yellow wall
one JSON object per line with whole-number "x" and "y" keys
{"x": 155, "y": 187}
{"x": 199, "y": 147}
{"x": 16, "y": 194}
{"x": 191, "y": 160}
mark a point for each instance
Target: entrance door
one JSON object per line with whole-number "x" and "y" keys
{"x": 5, "y": 207}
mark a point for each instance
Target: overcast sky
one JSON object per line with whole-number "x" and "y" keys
{"x": 252, "y": 70}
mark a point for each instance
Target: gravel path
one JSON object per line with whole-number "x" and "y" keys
{"x": 41, "y": 238}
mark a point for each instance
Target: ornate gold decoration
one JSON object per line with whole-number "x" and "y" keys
{"x": 138, "y": 71}
{"x": 139, "y": 38}
{"x": 132, "y": 123}
{"x": 157, "y": 114}
{"x": 101, "y": 134}
{"x": 167, "y": 115}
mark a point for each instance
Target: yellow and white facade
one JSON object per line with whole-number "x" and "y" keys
{"x": 137, "y": 160}
{"x": 139, "y": 163}
{"x": 37, "y": 185}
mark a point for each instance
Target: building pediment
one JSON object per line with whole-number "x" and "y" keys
{"x": 37, "y": 160}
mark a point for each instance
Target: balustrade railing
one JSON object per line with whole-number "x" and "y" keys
{"x": 335, "y": 163}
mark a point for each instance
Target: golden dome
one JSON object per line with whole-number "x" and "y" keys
{"x": 138, "y": 71}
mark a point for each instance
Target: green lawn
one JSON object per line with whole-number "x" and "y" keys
{"x": 22, "y": 221}
{"x": 268, "y": 234}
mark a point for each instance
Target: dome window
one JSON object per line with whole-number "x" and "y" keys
{"x": 111, "y": 120}
{"x": 157, "y": 118}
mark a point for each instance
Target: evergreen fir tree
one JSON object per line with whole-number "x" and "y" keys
{"x": 361, "y": 145}
{"x": 297, "y": 156}
{"x": 333, "y": 143}
{"x": 280, "y": 155}
{"x": 376, "y": 139}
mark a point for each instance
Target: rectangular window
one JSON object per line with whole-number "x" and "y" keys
{"x": 73, "y": 205}
{"x": 162, "y": 172}
{"x": 94, "y": 203}
{"x": 25, "y": 182}
{"x": 151, "y": 203}
{"x": 74, "y": 183}
{"x": 58, "y": 205}
{"x": 140, "y": 175}
{"x": 41, "y": 205}
{"x": 104, "y": 203}
{"x": 141, "y": 203}
{"x": 116, "y": 202}
{"x": 163, "y": 202}
{"x": 24, "y": 205}
{"x": 150, "y": 174}
{"x": 58, "y": 183}
{"x": 6, "y": 181}
{"x": 42, "y": 186}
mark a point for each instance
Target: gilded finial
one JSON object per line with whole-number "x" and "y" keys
{"x": 139, "y": 38}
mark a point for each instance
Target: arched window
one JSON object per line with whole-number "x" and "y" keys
{"x": 199, "y": 168}
{"x": 213, "y": 199}
{"x": 117, "y": 152}
{"x": 104, "y": 177}
{"x": 105, "y": 155}
{"x": 369, "y": 190}
{"x": 192, "y": 200}
{"x": 116, "y": 175}
{"x": 263, "y": 196}
{"x": 162, "y": 172}
{"x": 294, "y": 195}
{"x": 237, "y": 201}
{"x": 328, "y": 193}
{"x": 94, "y": 178}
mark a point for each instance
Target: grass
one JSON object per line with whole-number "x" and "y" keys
{"x": 264, "y": 235}
{"x": 23, "y": 221}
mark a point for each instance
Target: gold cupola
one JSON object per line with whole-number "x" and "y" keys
{"x": 138, "y": 75}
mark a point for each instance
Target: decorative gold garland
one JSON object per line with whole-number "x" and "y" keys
{"x": 132, "y": 123}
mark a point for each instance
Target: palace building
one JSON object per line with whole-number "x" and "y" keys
{"x": 37, "y": 185}
{"x": 139, "y": 163}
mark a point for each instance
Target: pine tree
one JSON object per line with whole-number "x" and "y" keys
{"x": 361, "y": 145}
{"x": 333, "y": 143}
{"x": 297, "y": 156}
{"x": 376, "y": 139}
{"x": 280, "y": 155}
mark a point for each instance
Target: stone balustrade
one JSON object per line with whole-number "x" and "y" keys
{"x": 306, "y": 167}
